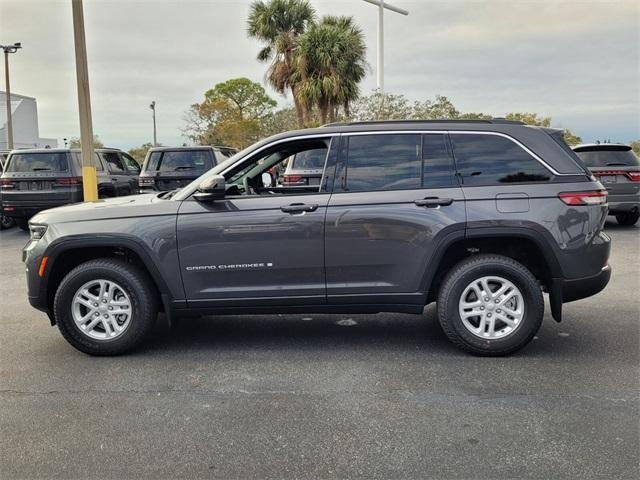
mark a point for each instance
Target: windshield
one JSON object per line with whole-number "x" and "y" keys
{"x": 621, "y": 157}
{"x": 38, "y": 162}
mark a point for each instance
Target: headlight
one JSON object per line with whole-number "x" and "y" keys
{"x": 37, "y": 231}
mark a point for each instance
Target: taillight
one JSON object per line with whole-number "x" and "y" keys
{"x": 595, "y": 197}
{"x": 6, "y": 183}
{"x": 634, "y": 176}
{"x": 68, "y": 181}
{"x": 289, "y": 179}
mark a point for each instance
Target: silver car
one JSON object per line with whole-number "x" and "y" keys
{"x": 618, "y": 168}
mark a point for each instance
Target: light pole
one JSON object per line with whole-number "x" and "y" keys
{"x": 152, "y": 106}
{"x": 89, "y": 180}
{"x": 381, "y": 4}
{"x": 7, "y": 50}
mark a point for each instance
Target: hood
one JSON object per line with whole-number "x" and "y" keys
{"x": 110, "y": 208}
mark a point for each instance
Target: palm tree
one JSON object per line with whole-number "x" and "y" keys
{"x": 330, "y": 63}
{"x": 278, "y": 24}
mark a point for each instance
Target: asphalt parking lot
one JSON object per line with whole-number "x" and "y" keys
{"x": 325, "y": 396}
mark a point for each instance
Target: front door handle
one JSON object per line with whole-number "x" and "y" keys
{"x": 299, "y": 208}
{"x": 433, "y": 202}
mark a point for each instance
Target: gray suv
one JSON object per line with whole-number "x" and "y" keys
{"x": 618, "y": 168}
{"x": 37, "y": 179}
{"x": 481, "y": 217}
{"x": 167, "y": 168}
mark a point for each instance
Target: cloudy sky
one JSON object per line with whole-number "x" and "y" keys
{"x": 574, "y": 60}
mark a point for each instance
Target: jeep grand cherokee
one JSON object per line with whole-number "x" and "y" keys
{"x": 481, "y": 217}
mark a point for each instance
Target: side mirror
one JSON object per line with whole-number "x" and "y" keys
{"x": 212, "y": 188}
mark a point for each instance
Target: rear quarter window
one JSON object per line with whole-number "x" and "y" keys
{"x": 38, "y": 162}
{"x": 483, "y": 159}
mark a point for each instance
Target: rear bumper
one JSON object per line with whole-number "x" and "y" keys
{"x": 24, "y": 209}
{"x": 585, "y": 287}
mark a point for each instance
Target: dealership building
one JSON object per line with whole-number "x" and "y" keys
{"x": 24, "y": 113}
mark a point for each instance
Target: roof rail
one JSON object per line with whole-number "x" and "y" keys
{"x": 497, "y": 120}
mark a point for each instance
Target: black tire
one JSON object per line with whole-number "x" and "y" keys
{"x": 628, "y": 218}
{"x": 138, "y": 287}
{"x": 23, "y": 224}
{"x": 475, "y": 267}
{"x": 6, "y": 222}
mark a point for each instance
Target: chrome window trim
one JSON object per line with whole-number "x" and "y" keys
{"x": 463, "y": 132}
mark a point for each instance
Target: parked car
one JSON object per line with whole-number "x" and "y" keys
{"x": 395, "y": 224}
{"x": 618, "y": 168}
{"x": 305, "y": 168}
{"x": 167, "y": 168}
{"x": 5, "y": 221}
{"x": 38, "y": 179}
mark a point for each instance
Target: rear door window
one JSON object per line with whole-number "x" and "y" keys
{"x": 38, "y": 162}
{"x": 112, "y": 159}
{"x": 484, "y": 159}
{"x": 437, "y": 170}
{"x": 383, "y": 162}
{"x": 610, "y": 157}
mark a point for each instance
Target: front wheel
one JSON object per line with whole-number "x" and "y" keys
{"x": 628, "y": 218}
{"x": 490, "y": 305}
{"x": 105, "y": 307}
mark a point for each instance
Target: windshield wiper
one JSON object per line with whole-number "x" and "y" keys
{"x": 40, "y": 169}
{"x": 182, "y": 168}
{"x": 614, "y": 164}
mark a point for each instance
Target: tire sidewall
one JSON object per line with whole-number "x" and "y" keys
{"x": 530, "y": 322}
{"x": 142, "y": 315}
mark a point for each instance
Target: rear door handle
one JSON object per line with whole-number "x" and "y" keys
{"x": 433, "y": 202}
{"x": 299, "y": 208}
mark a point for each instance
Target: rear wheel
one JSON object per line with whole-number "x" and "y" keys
{"x": 23, "y": 224}
{"x": 6, "y": 222}
{"x": 490, "y": 305}
{"x": 628, "y": 218}
{"x": 105, "y": 307}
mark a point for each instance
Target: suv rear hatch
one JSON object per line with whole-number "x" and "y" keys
{"x": 616, "y": 166}
{"x": 171, "y": 169}
{"x": 39, "y": 180}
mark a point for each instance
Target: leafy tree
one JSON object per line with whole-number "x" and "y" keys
{"x": 533, "y": 119}
{"x": 381, "y": 106}
{"x": 139, "y": 153}
{"x": 75, "y": 142}
{"x": 330, "y": 63}
{"x": 439, "y": 108}
{"x": 278, "y": 24}
{"x": 280, "y": 121}
{"x": 233, "y": 113}
{"x": 635, "y": 146}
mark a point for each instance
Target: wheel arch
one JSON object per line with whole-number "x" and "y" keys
{"x": 66, "y": 255}
{"x": 525, "y": 245}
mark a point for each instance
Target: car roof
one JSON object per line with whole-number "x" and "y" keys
{"x": 61, "y": 150}
{"x": 193, "y": 147}
{"x": 602, "y": 146}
